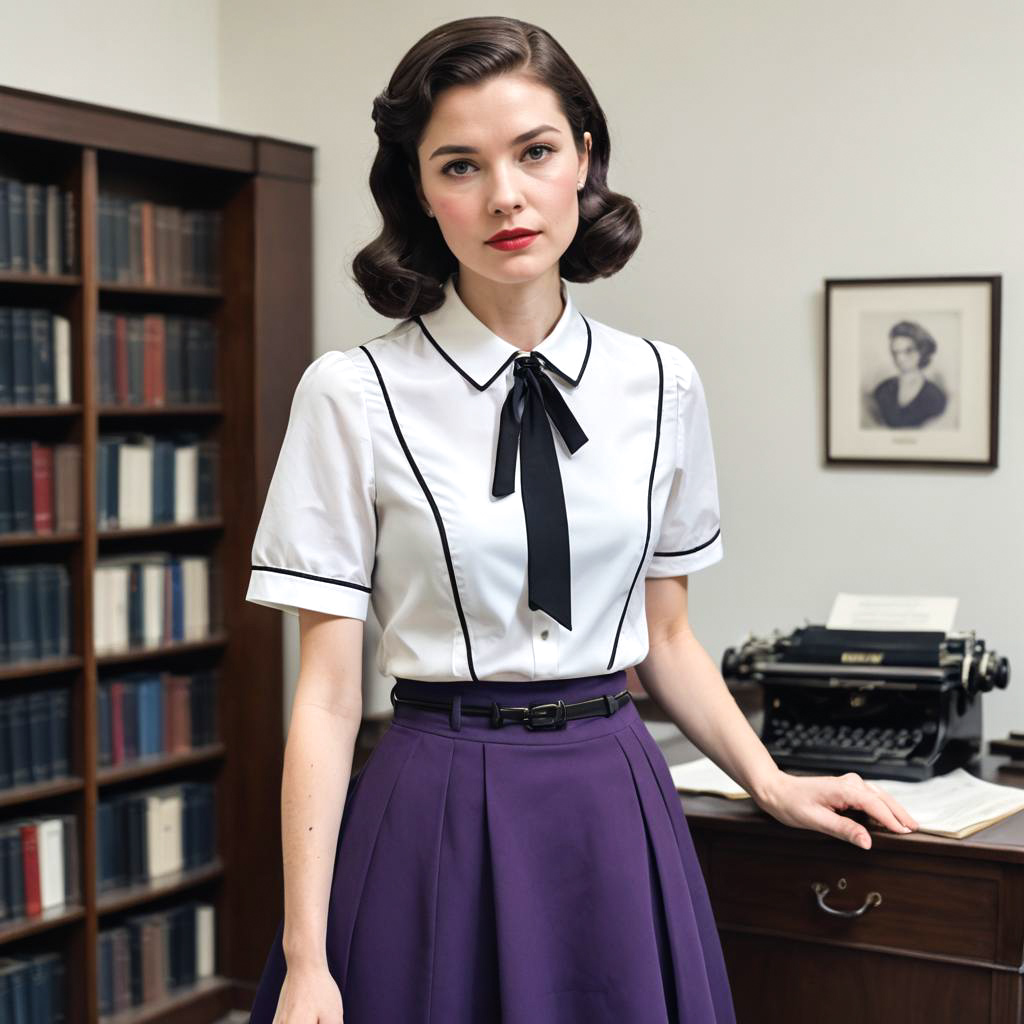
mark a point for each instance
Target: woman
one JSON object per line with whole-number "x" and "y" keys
{"x": 909, "y": 399}
{"x": 521, "y": 490}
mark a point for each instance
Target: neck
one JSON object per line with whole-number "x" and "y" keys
{"x": 523, "y": 313}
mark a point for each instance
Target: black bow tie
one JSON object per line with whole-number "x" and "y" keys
{"x": 530, "y": 401}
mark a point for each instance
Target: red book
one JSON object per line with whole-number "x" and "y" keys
{"x": 182, "y": 733}
{"x": 42, "y": 487}
{"x": 30, "y": 869}
{"x": 116, "y": 721}
{"x": 152, "y": 357}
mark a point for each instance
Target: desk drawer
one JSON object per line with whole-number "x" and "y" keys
{"x": 935, "y": 905}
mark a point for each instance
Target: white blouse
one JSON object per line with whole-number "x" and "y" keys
{"x": 382, "y": 492}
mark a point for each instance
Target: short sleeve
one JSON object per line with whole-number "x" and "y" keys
{"x": 690, "y": 536}
{"x": 315, "y": 542}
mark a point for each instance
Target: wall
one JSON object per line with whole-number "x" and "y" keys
{"x": 769, "y": 147}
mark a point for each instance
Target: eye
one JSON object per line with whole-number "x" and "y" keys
{"x": 454, "y": 163}
{"x": 543, "y": 147}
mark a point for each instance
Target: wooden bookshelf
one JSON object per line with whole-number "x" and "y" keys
{"x": 261, "y": 309}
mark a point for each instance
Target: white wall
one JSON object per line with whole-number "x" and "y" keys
{"x": 154, "y": 57}
{"x": 769, "y": 146}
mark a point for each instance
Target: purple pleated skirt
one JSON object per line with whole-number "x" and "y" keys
{"x": 501, "y": 874}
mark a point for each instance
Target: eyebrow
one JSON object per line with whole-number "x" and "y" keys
{"x": 525, "y": 137}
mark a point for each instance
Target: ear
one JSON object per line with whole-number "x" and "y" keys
{"x": 585, "y": 159}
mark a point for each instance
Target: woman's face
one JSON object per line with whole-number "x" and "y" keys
{"x": 485, "y": 167}
{"x": 904, "y": 353}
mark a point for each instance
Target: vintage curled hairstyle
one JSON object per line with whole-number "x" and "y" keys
{"x": 923, "y": 341}
{"x": 403, "y": 270}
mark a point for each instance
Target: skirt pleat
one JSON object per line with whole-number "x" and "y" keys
{"x": 516, "y": 876}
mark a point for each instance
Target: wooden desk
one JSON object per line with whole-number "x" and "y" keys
{"x": 944, "y": 946}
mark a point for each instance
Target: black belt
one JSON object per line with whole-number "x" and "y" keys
{"x": 533, "y": 716}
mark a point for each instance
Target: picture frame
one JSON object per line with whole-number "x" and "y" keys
{"x": 912, "y": 370}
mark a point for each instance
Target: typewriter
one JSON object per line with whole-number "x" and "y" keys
{"x": 883, "y": 703}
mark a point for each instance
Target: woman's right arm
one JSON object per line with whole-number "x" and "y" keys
{"x": 326, "y": 712}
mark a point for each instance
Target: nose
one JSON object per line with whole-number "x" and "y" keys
{"x": 505, "y": 194}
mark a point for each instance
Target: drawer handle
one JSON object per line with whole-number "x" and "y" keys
{"x": 821, "y": 890}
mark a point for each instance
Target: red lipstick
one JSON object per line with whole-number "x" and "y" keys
{"x": 517, "y": 238}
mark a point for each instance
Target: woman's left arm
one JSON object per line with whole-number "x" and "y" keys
{"x": 686, "y": 684}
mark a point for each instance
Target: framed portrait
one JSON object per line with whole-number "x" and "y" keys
{"x": 912, "y": 370}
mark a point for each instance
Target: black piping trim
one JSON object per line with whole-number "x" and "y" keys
{"x": 650, "y": 491}
{"x": 690, "y": 551}
{"x": 433, "y": 506}
{"x": 310, "y": 576}
{"x": 501, "y": 369}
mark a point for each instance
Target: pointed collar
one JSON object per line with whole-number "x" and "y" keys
{"x": 480, "y": 355}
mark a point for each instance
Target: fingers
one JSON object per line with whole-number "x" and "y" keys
{"x": 870, "y": 798}
{"x": 841, "y": 827}
{"x": 895, "y": 806}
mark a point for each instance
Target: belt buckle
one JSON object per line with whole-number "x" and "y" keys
{"x": 545, "y": 716}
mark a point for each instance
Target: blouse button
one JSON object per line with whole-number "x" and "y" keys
{"x": 543, "y": 634}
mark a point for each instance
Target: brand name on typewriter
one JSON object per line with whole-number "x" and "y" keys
{"x": 862, "y": 657}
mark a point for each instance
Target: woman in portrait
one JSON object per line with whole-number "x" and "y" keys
{"x": 909, "y": 399}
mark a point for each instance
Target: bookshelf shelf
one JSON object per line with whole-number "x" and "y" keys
{"x": 147, "y": 767}
{"x": 161, "y": 529}
{"x": 29, "y": 539}
{"x": 162, "y": 650}
{"x": 199, "y": 409}
{"x": 33, "y": 791}
{"x": 185, "y": 292}
{"x": 49, "y": 920}
{"x": 166, "y": 260}
{"x": 206, "y": 997}
{"x": 137, "y": 895}
{"x": 9, "y": 277}
{"x": 14, "y": 412}
{"x": 40, "y": 667}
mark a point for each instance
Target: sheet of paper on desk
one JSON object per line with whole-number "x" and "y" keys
{"x": 955, "y": 804}
{"x": 892, "y": 611}
{"x": 704, "y": 776}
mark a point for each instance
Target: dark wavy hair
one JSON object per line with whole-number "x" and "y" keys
{"x": 403, "y": 270}
{"x": 923, "y": 341}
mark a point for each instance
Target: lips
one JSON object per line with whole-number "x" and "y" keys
{"x": 502, "y": 236}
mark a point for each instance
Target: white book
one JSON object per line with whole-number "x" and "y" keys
{"x": 154, "y": 850}
{"x": 186, "y": 470}
{"x": 110, "y": 607}
{"x": 153, "y": 573}
{"x": 50, "y": 837}
{"x": 205, "y": 946}
{"x": 118, "y": 604}
{"x": 195, "y": 575}
{"x": 135, "y": 483}
{"x": 99, "y": 604}
{"x": 171, "y": 830}
{"x": 61, "y": 359}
